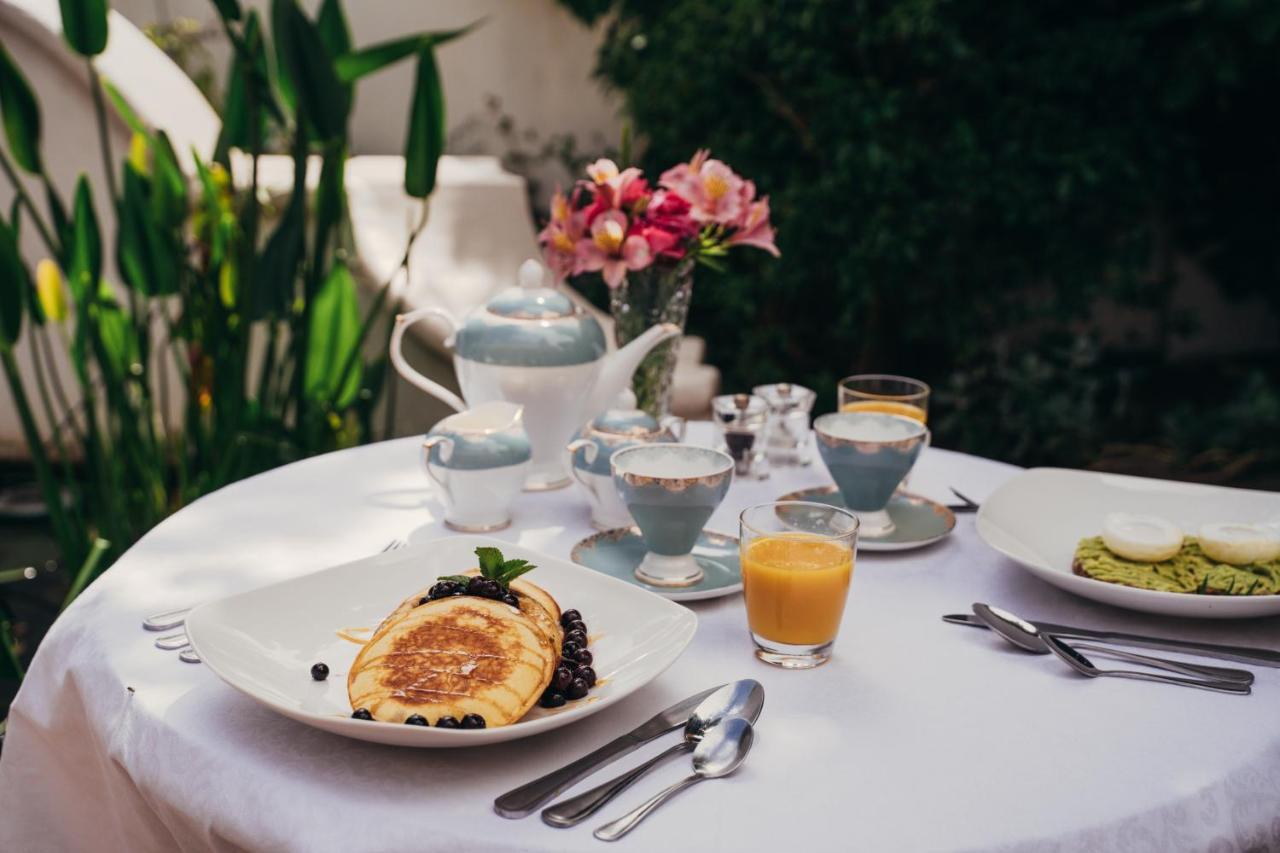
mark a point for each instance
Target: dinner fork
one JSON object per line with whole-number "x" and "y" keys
{"x": 177, "y": 618}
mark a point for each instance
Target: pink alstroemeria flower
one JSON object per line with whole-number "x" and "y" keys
{"x": 713, "y": 189}
{"x": 755, "y": 229}
{"x": 611, "y": 250}
{"x": 666, "y": 224}
{"x": 560, "y": 238}
{"x": 616, "y": 188}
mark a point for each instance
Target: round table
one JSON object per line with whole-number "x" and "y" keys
{"x": 918, "y": 735}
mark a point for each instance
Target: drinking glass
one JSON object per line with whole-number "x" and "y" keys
{"x": 797, "y": 561}
{"x": 882, "y": 392}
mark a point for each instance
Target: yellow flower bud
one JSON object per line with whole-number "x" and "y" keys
{"x": 138, "y": 153}
{"x": 53, "y": 299}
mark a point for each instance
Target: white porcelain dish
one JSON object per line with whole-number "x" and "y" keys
{"x": 263, "y": 642}
{"x": 1038, "y": 517}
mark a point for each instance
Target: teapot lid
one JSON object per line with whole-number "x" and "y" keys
{"x": 624, "y": 418}
{"x": 530, "y": 326}
{"x": 531, "y": 299}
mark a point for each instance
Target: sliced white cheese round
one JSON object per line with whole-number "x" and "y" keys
{"x": 1239, "y": 544}
{"x": 1145, "y": 538}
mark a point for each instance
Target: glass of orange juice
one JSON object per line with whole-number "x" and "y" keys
{"x": 882, "y": 392}
{"x": 797, "y": 561}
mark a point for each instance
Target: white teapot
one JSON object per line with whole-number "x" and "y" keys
{"x": 532, "y": 345}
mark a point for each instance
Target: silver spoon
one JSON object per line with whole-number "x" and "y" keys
{"x": 1027, "y": 636}
{"x": 720, "y": 753}
{"x": 1084, "y": 666}
{"x": 743, "y": 698}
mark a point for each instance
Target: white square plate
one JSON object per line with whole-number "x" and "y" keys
{"x": 263, "y": 642}
{"x": 1038, "y": 517}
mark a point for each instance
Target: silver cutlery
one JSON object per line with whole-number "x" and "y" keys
{"x": 967, "y": 504}
{"x": 1027, "y": 636}
{"x": 1241, "y": 654}
{"x": 1084, "y": 666}
{"x": 743, "y": 699}
{"x": 171, "y": 619}
{"x": 717, "y": 755}
{"x": 521, "y": 801}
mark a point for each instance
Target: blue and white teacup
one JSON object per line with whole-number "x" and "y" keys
{"x": 868, "y": 455}
{"x": 671, "y": 490}
{"x": 479, "y": 458}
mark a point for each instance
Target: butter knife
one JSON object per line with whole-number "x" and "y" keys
{"x": 1240, "y": 654}
{"x": 524, "y": 800}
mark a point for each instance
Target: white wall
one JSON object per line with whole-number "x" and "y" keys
{"x": 531, "y": 54}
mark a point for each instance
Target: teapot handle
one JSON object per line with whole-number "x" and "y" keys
{"x": 590, "y": 451}
{"x": 673, "y": 424}
{"x": 413, "y": 377}
{"x": 446, "y": 451}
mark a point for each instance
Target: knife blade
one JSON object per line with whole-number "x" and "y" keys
{"x": 1240, "y": 654}
{"x": 523, "y": 801}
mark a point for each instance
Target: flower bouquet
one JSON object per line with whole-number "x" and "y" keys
{"x": 645, "y": 241}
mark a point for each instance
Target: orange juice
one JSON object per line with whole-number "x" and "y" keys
{"x": 795, "y": 586}
{"x": 888, "y": 407}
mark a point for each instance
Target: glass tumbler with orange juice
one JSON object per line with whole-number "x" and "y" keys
{"x": 884, "y": 393}
{"x": 797, "y": 562}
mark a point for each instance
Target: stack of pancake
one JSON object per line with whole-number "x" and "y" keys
{"x": 459, "y": 655}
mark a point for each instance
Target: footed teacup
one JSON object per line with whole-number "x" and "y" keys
{"x": 671, "y": 490}
{"x": 868, "y": 455}
{"x": 479, "y": 458}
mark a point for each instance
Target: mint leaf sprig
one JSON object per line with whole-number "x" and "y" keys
{"x": 495, "y": 567}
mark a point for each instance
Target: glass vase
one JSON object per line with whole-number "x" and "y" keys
{"x": 657, "y": 294}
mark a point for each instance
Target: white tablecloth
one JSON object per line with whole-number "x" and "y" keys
{"x": 917, "y": 736}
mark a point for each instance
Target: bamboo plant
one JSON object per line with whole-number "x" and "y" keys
{"x": 249, "y": 306}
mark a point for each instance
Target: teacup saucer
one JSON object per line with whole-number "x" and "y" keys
{"x": 917, "y": 521}
{"x": 617, "y": 552}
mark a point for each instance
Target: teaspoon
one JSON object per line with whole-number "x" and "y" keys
{"x": 743, "y": 698}
{"x": 1025, "y": 635}
{"x": 720, "y": 753}
{"x": 1084, "y": 666}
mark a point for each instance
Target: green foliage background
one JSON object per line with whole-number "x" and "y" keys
{"x": 956, "y": 184}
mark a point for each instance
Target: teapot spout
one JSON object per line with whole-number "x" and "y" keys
{"x": 615, "y": 374}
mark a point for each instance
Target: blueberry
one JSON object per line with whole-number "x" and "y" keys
{"x": 416, "y": 720}
{"x": 510, "y": 598}
{"x": 476, "y": 584}
{"x": 319, "y": 671}
{"x": 447, "y": 723}
{"x": 424, "y": 600}
{"x": 560, "y": 680}
{"x": 576, "y": 637}
{"x": 577, "y": 625}
{"x": 587, "y": 674}
{"x": 361, "y": 714}
{"x": 570, "y": 616}
{"x": 584, "y": 657}
{"x": 442, "y": 589}
{"x": 473, "y": 721}
{"x": 551, "y": 699}
{"x": 577, "y": 689}
{"x": 567, "y": 663}
{"x": 569, "y": 649}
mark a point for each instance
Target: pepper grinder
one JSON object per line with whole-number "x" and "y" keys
{"x": 789, "y": 436}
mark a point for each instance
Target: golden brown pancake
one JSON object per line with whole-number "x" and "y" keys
{"x": 535, "y": 602}
{"x": 451, "y": 657}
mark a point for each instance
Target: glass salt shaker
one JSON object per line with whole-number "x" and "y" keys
{"x": 789, "y": 436}
{"x": 742, "y": 422}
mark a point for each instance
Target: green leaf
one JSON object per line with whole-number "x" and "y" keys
{"x": 58, "y": 217}
{"x": 462, "y": 579}
{"x": 310, "y": 70}
{"x": 228, "y": 9}
{"x": 14, "y": 284}
{"x": 424, "y": 142}
{"x": 333, "y": 332}
{"x": 169, "y": 184}
{"x": 86, "y": 245}
{"x": 277, "y": 272}
{"x": 126, "y": 111}
{"x": 237, "y": 128}
{"x": 332, "y": 25}
{"x": 490, "y": 561}
{"x": 512, "y": 569}
{"x": 119, "y": 344}
{"x": 84, "y": 25}
{"x": 354, "y": 65}
{"x": 21, "y": 115}
{"x": 135, "y": 236}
